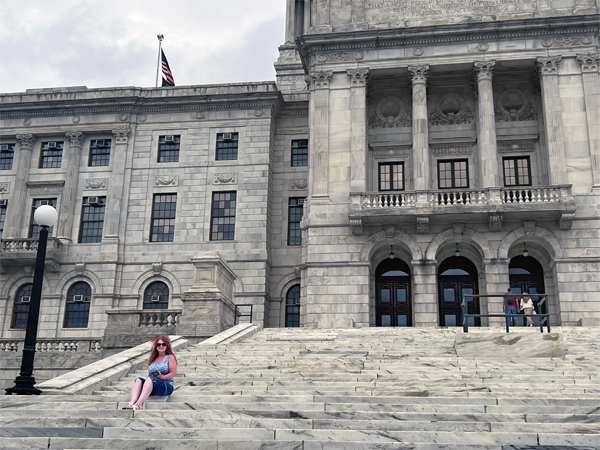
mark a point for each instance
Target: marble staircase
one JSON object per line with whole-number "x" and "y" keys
{"x": 302, "y": 389}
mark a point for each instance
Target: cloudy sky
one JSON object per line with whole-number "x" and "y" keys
{"x": 102, "y": 43}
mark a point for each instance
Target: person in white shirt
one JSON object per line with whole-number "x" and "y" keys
{"x": 527, "y": 307}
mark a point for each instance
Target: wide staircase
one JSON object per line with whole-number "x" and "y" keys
{"x": 351, "y": 389}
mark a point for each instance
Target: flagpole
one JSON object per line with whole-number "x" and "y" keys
{"x": 160, "y": 39}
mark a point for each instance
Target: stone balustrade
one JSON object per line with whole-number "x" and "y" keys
{"x": 159, "y": 318}
{"x": 21, "y": 251}
{"x": 54, "y": 345}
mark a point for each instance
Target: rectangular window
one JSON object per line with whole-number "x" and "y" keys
{"x": 7, "y": 153}
{"x": 227, "y": 146}
{"x": 222, "y": 222}
{"x": 34, "y": 228}
{"x": 2, "y": 215}
{"x": 51, "y": 156}
{"x": 168, "y": 148}
{"x": 517, "y": 171}
{"x": 92, "y": 220}
{"x": 296, "y": 205}
{"x": 300, "y": 152}
{"x": 99, "y": 152}
{"x": 163, "y": 218}
{"x": 391, "y": 176}
{"x": 453, "y": 174}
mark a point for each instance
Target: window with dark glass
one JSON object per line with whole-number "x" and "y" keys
{"x": 77, "y": 310}
{"x": 517, "y": 171}
{"x": 168, "y": 148}
{"x": 391, "y": 176}
{"x": 222, "y": 222}
{"x": 156, "y": 296}
{"x": 21, "y": 306}
{"x": 453, "y": 173}
{"x": 3, "y": 204}
{"x": 51, "y": 155}
{"x": 92, "y": 220}
{"x": 292, "y": 307}
{"x": 7, "y": 154}
{"x": 300, "y": 152}
{"x": 34, "y": 228}
{"x": 100, "y": 152}
{"x": 163, "y": 218}
{"x": 227, "y": 146}
{"x": 295, "y": 208}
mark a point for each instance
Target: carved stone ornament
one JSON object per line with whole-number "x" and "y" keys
{"x": 166, "y": 180}
{"x": 357, "y": 226}
{"x": 26, "y": 121}
{"x": 418, "y": 51}
{"x": 566, "y": 220}
{"x": 340, "y": 57}
{"x": 4, "y": 187}
{"x": 76, "y": 119}
{"x": 521, "y": 146}
{"x": 157, "y": 268}
{"x": 142, "y": 117}
{"x": 548, "y": 66}
{"x": 320, "y": 80}
{"x": 449, "y": 149}
{"x": 75, "y": 138}
{"x": 45, "y": 187}
{"x": 96, "y": 183}
{"x": 529, "y": 226}
{"x": 495, "y": 221}
{"x": 451, "y": 109}
{"x": 26, "y": 140}
{"x": 418, "y": 74}
{"x": 199, "y": 115}
{"x": 484, "y": 69}
{"x": 483, "y": 47}
{"x": 225, "y": 178}
{"x": 513, "y": 105}
{"x": 422, "y": 224}
{"x": 358, "y": 77}
{"x": 298, "y": 185}
{"x": 121, "y": 134}
{"x": 589, "y": 62}
{"x": 79, "y": 268}
{"x": 258, "y": 112}
{"x": 124, "y": 117}
{"x": 389, "y": 151}
{"x": 390, "y": 112}
{"x": 571, "y": 41}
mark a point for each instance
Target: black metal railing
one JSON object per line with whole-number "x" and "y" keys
{"x": 239, "y": 314}
{"x": 541, "y": 318}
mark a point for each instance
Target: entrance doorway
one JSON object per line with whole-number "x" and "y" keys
{"x": 393, "y": 302}
{"x": 526, "y": 275}
{"x": 457, "y": 276}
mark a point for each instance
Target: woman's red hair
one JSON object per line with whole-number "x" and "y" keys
{"x": 154, "y": 352}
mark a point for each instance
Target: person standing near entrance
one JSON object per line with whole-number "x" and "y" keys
{"x": 510, "y": 303}
{"x": 527, "y": 307}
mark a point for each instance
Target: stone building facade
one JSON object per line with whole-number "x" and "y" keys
{"x": 408, "y": 154}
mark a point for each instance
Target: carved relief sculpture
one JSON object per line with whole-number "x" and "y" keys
{"x": 166, "y": 180}
{"x": 225, "y": 178}
{"x": 298, "y": 184}
{"x": 451, "y": 109}
{"x": 513, "y": 105}
{"x": 96, "y": 183}
{"x": 4, "y": 187}
{"x": 390, "y": 112}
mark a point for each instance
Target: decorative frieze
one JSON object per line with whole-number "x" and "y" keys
{"x": 340, "y": 57}
{"x": 520, "y": 146}
{"x": 4, "y": 187}
{"x": 569, "y": 41}
{"x": 589, "y": 62}
{"x": 391, "y": 151}
{"x": 225, "y": 178}
{"x": 96, "y": 184}
{"x": 45, "y": 187}
{"x": 451, "y": 150}
{"x": 166, "y": 180}
{"x": 75, "y": 138}
{"x": 300, "y": 184}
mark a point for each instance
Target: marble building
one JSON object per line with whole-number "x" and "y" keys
{"x": 408, "y": 153}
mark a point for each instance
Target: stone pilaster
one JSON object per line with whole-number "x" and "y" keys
{"x": 496, "y": 282}
{"x": 17, "y": 203}
{"x": 420, "y": 148}
{"x": 69, "y": 195}
{"x": 318, "y": 160}
{"x": 112, "y": 212}
{"x": 486, "y": 139}
{"x": 553, "y": 129}
{"x": 358, "y": 119}
{"x": 290, "y": 23}
{"x": 321, "y": 16}
{"x": 425, "y": 301}
{"x": 359, "y": 21}
{"x": 591, "y": 89}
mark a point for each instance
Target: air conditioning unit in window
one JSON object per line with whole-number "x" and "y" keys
{"x": 25, "y": 299}
{"x": 94, "y": 201}
{"x": 169, "y": 138}
{"x": 79, "y": 298}
{"x": 44, "y": 202}
{"x": 227, "y": 136}
{"x": 156, "y": 298}
{"x": 98, "y": 143}
{"x": 3, "y": 202}
{"x": 4, "y": 147}
{"x": 52, "y": 145}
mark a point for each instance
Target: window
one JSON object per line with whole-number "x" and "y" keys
{"x": 156, "y": 296}
{"x": 300, "y": 152}
{"x": 34, "y": 228}
{"x": 227, "y": 146}
{"x": 296, "y": 205}
{"x": 92, "y": 220}
{"x": 391, "y": 176}
{"x": 163, "y": 218}
{"x": 168, "y": 148}
{"x": 51, "y": 155}
{"x": 77, "y": 310}
{"x": 453, "y": 174}
{"x": 517, "y": 171}
{"x": 223, "y": 216}
{"x": 21, "y": 309}
{"x": 7, "y": 153}
{"x": 99, "y": 152}
{"x": 292, "y": 307}
{"x": 2, "y": 216}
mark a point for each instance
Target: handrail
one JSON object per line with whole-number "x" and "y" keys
{"x": 239, "y": 314}
{"x": 544, "y": 318}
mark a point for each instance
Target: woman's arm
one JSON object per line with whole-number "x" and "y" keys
{"x": 172, "y": 369}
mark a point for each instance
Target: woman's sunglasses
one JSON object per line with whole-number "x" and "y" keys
{"x": 160, "y": 344}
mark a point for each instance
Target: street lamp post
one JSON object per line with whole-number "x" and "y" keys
{"x": 45, "y": 216}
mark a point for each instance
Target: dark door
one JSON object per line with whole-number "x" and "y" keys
{"x": 457, "y": 276}
{"x": 526, "y": 275}
{"x": 393, "y": 308}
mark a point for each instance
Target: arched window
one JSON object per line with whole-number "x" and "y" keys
{"x": 156, "y": 296}
{"x": 292, "y": 307}
{"x": 21, "y": 309}
{"x": 77, "y": 310}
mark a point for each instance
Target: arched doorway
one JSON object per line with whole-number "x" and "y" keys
{"x": 457, "y": 276}
{"x": 393, "y": 302}
{"x": 527, "y": 275}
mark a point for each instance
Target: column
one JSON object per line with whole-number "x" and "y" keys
{"x": 319, "y": 137}
{"x": 322, "y": 17}
{"x": 290, "y": 22}
{"x": 420, "y": 150}
{"x": 69, "y": 195}
{"x": 553, "y": 129}
{"x": 17, "y": 203}
{"x": 112, "y": 214}
{"x": 486, "y": 138}
{"x": 358, "y": 119}
{"x": 425, "y": 293}
{"x": 591, "y": 90}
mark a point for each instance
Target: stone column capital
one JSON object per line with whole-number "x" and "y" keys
{"x": 319, "y": 80}
{"x": 76, "y": 138}
{"x": 358, "y": 77}
{"x": 549, "y": 65}
{"x": 484, "y": 69}
{"x": 26, "y": 140}
{"x": 419, "y": 74}
{"x": 121, "y": 134}
{"x": 589, "y": 62}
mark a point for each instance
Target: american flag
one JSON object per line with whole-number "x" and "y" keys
{"x": 167, "y": 78}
